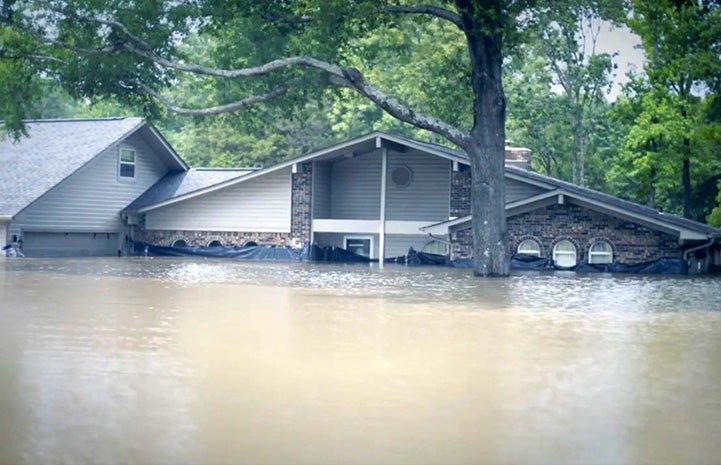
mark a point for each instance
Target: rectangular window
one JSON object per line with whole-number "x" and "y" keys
{"x": 126, "y": 167}
{"x": 362, "y": 245}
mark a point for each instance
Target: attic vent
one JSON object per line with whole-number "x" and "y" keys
{"x": 401, "y": 176}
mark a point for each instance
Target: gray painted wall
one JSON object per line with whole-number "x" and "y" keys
{"x": 321, "y": 189}
{"x": 355, "y": 188}
{"x": 261, "y": 204}
{"x": 91, "y": 199}
{"x": 427, "y": 197}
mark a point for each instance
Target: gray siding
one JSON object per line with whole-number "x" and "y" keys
{"x": 321, "y": 190}
{"x": 355, "y": 188}
{"x": 91, "y": 199}
{"x": 517, "y": 190}
{"x": 427, "y": 197}
{"x": 257, "y": 205}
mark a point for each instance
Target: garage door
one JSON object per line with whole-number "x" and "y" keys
{"x": 46, "y": 244}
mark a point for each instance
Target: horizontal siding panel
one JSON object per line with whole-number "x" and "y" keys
{"x": 91, "y": 199}
{"x": 517, "y": 190}
{"x": 258, "y": 205}
{"x": 321, "y": 190}
{"x": 427, "y": 197}
{"x": 355, "y": 187}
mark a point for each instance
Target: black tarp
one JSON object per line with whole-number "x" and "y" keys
{"x": 312, "y": 252}
{"x": 258, "y": 253}
{"x": 668, "y": 266}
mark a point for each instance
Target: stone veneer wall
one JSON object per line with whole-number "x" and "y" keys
{"x": 631, "y": 242}
{"x": 461, "y": 192}
{"x": 301, "y": 191}
{"x": 202, "y": 238}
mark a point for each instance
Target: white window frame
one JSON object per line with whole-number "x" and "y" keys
{"x": 363, "y": 238}
{"x": 534, "y": 253}
{"x": 122, "y": 163}
{"x": 592, "y": 253}
{"x": 557, "y": 252}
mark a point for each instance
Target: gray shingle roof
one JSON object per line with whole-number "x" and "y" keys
{"x": 610, "y": 200}
{"x": 626, "y": 205}
{"x": 180, "y": 183}
{"x": 54, "y": 150}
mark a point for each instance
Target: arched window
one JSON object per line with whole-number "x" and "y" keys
{"x": 215, "y": 243}
{"x": 250, "y": 244}
{"x": 564, "y": 254}
{"x": 436, "y": 247}
{"x": 179, "y": 243}
{"x": 529, "y": 247}
{"x": 600, "y": 252}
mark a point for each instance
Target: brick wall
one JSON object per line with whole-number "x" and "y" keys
{"x": 631, "y": 242}
{"x": 302, "y": 188}
{"x": 461, "y": 192}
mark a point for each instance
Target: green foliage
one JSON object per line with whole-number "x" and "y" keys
{"x": 673, "y": 125}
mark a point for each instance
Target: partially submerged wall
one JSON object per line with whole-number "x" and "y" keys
{"x": 631, "y": 242}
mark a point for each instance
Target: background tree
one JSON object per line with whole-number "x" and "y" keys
{"x": 681, "y": 39}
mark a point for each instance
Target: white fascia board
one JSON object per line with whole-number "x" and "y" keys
{"x": 444, "y": 226}
{"x": 6, "y": 218}
{"x": 346, "y": 226}
{"x": 536, "y": 198}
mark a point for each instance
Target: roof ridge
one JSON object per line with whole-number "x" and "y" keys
{"x": 72, "y": 120}
{"x": 206, "y": 168}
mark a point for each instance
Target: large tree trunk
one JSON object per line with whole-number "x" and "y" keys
{"x": 486, "y": 144}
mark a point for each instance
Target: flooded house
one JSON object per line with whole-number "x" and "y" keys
{"x": 377, "y": 195}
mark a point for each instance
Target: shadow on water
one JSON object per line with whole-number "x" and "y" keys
{"x": 525, "y": 291}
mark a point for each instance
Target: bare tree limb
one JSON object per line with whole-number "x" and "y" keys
{"x": 431, "y": 10}
{"x": 216, "y": 110}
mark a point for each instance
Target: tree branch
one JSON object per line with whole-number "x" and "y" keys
{"x": 431, "y": 10}
{"x": 216, "y": 110}
{"x": 354, "y": 79}
{"x": 351, "y": 78}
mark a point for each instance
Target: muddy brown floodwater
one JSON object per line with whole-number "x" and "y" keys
{"x": 171, "y": 361}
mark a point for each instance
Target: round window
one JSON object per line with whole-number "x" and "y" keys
{"x": 401, "y": 176}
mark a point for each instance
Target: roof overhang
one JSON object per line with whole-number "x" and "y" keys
{"x": 6, "y": 218}
{"x": 561, "y": 196}
{"x": 360, "y": 145}
{"x": 160, "y": 144}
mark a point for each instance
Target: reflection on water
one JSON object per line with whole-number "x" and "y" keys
{"x": 203, "y": 361}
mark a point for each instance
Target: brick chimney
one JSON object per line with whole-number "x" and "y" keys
{"x": 518, "y": 156}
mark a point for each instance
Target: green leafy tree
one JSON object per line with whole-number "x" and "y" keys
{"x": 681, "y": 39}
